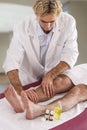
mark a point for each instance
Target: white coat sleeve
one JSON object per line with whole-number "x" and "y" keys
{"x": 15, "y": 53}
{"x": 70, "y": 49}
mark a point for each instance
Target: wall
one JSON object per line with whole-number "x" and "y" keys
{"x": 22, "y": 2}
{"x": 4, "y": 43}
{"x": 78, "y": 10}
{"x": 10, "y": 14}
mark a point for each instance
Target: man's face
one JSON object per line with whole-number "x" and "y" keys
{"x": 47, "y": 22}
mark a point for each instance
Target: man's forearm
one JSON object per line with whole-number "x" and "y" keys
{"x": 14, "y": 80}
{"x": 60, "y": 68}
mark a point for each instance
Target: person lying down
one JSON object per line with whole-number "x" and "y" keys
{"x": 73, "y": 81}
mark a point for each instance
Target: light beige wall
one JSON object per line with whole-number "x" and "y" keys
{"x": 4, "y": 43}
{"x": 79, "y": 11}
{"x": 22, "y": 2}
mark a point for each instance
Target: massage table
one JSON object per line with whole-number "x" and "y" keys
{"x": 74, "y": 119}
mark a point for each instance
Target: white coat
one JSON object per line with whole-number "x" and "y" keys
{"x": 24, "y": 51}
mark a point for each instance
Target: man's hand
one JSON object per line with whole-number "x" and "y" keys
{"x": 47, "y": 85}
{"x": 32, "y": 95}
{"x": 47, "y": 82}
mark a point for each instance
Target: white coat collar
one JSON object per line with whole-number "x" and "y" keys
{"x": 32, "y": 26}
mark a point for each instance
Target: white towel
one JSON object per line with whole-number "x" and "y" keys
{"x": 9, "y": 120}
{"x": 78, "y": 74}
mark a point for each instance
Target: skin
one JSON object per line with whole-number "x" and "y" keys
{"x": 47, "y": 82}
{"x": 14, "y": 99}
{"x": 75, "y": 95}
{"x": 47, "y": 22}
{"x": 61, "y": 84}
{"x": 15, "y": 81}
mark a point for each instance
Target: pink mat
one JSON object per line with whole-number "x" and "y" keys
{"x": 77, "y": 123}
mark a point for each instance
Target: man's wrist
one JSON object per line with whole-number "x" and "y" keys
{"x": 52, "y": 75}
{"x": 18, "y": 89}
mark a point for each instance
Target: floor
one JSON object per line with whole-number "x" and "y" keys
{"x": 3, "y": 82}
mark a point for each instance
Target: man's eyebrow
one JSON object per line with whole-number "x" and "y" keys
{"x": 47, "y": 21}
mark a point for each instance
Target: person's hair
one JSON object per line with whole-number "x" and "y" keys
{"x": 43, "y": 7}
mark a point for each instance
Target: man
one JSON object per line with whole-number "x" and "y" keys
{"x": 42, "y": 47}
{"x": 74, "y": 81}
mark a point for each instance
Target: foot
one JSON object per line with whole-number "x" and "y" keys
{"x": 14, "y": 99}
{"x": 32, "y": 110}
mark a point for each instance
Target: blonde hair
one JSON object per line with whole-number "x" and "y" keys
{"x": 43, "y": 7}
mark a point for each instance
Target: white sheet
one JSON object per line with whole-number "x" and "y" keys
{"x": 9, "y": 120}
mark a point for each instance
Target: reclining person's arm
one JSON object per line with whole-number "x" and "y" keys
{"x": 15, "y": 81}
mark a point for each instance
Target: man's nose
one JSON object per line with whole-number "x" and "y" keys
{"x": 48, "y": 24}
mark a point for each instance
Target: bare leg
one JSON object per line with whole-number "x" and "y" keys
{"x": 32, "y": 110}
{"x": 75, "y": 95}
{"x": 14, "y": 99}
{"x": 61, "y": 84}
